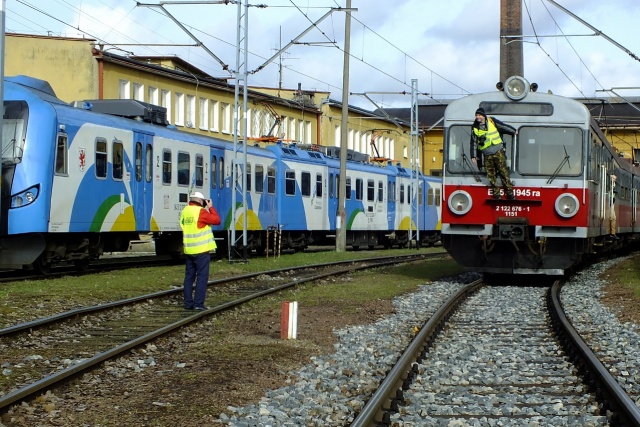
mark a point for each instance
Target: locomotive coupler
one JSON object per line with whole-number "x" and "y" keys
{"x": 512, "y": 229}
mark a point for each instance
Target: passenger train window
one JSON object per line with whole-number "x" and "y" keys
{"x": 290, "y": 182}
{"x": 62, "y": 164}
{"x": 318, "y": 185}
{"x": 148, "y": 165}
{"x": 401, "y": 193}
{"x": 371, "y": 190}
{"x": 166, "y": 167}
{"x": 420, "y": 195}
{"x": 259, "y": 177}
{"x": 117, "y": 159}
{"x": 138, "y": 161}
{"x": 214, "y": 171}
{"x": 221, "y": 171}
{"x": 348, "y": 190}
{"x": 380, "y": 191}
{"x": 331, "y": 186}
{"x": 248, "y": 177}
{"x": 430, "y": 197}
{"x": 199, "y": 170}
{"x": 359, "y": 188}
{"x": 271, "y": 180}
{"x": 101, "y": 158}
{"x": 305, "y": 184}
{"x": 437, "y": 197}
{"x": 184, "y": 168}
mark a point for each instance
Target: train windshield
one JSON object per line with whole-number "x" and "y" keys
{"x": 458, "y": 157}
{"x": 14, "y": 130}
{"x": 549, "y": 151}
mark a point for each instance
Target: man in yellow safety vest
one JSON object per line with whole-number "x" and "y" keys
{"x": 196, "y": 220}
{"x": 486, "y": 140}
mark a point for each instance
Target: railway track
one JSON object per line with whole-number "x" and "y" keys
{"x": 81, "y": 339}
{"x": 495, "y": 360}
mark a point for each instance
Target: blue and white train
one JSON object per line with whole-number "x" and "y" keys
{"x": 77, "y": 182}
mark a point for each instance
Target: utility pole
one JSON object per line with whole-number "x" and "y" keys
{"x": 511, "y": 56}
{"x": 341, "y": 215}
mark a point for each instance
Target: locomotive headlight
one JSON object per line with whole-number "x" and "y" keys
{"x": 459, "y": 202}
{"x": 24, "y": 198}
{"x": 567, "y": 205}
{"x": 516, "y": 87}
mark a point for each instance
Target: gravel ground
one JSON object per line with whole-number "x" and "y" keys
{"x": 183, "y": 381}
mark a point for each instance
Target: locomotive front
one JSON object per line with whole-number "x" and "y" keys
{"x": 545, "y": 229}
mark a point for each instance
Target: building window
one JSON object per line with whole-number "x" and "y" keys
{"x": 166, "y": 103}
{"x": 204, "y": 114}
{"x": 138, "y": 92}
{"x": 307, "y": 135}
{"x": 101, "y": 158}
{"x": 179, "y": 109}
{"x": 152, "y": 92}
{"x": 124, "y": 89}
{"x": 337, "y": 135}
{"x": 214, "y": 116}
{"x": 62, "y": 163}
{"x": 226, "y": 117}
{"x": 292, "y": 129}
{"x": 191, "y": 111}
{"x": 405, "y": 152}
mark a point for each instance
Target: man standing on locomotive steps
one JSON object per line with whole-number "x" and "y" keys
{"x": 196, "y": 220}
{"x": 486, "y": 141}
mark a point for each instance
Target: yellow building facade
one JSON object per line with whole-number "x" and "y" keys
{"x": 80, "y": 69}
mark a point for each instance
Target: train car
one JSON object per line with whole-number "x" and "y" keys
{"x": 83, "y": 179}
{"x": 560, "y": 164}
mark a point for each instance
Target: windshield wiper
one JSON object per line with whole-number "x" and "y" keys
{"x": 473, "y": 169}
{"x": 559, "y": 168}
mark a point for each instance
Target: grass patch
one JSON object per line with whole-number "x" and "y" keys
{"x": 627, "y": 274}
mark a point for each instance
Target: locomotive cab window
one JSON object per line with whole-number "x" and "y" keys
{"x": 549, "y": 151}
{"x": 14, "y": 128}
{"x": 457, "y": 155}
{"x": 62, "y": 163}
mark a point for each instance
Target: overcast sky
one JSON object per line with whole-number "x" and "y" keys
{"x": 450, "y": 46}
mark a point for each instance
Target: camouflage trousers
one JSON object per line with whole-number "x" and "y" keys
{"x": 496, "y": 164}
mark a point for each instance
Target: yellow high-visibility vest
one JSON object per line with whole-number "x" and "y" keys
{"x": 195, "y": 240}
{"x": 492, "y": 135}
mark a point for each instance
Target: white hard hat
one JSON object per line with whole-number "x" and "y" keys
{"x": 196, "y": 195}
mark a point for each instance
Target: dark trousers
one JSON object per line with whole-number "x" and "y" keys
{"x": 196, "y": 270}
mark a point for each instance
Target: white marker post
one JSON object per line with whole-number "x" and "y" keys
{"x": 289, "y": 320}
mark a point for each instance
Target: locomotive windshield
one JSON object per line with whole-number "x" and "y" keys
{"x": 549, "y": 150}
{"x": 14, "y": 129}
{"x": 458, "y": 158}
